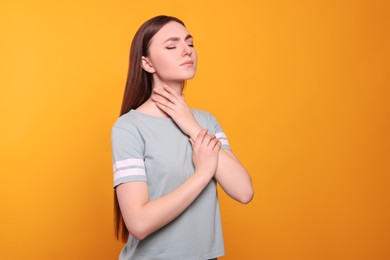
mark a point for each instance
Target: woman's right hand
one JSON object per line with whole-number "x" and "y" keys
{"x": 205, "y": 151}
{"x": 176, "y": 107}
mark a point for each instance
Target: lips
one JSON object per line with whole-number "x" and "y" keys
{"x": 189, "y": 62}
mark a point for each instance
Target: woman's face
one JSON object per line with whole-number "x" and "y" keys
{"x": 172, "y": 56}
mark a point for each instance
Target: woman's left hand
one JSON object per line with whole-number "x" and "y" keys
{"x": 176, "y": 107}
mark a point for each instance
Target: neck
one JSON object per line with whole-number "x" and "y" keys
{"x": 176, "y": 85}
{"x": 149, "y": 107}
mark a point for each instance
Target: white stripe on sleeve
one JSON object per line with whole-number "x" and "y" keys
{"x": 224, "y": 141}
{"x": 220, "y": 135}
{"x": 222, "y": 138}
{"x": 129, "y": 162}
{"x": 129, "y": 172}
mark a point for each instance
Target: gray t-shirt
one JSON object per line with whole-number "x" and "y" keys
{"x": 155, "y": 150}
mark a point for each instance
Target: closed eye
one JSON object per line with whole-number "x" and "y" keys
{"x": 174, "y": 47}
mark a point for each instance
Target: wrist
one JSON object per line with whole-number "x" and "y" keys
{"x": 202, "y": 176}
{"x": 194, "y": 132}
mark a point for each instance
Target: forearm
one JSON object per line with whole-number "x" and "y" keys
{"x": 233, "y": 177}
{"x": 157, "y": 213}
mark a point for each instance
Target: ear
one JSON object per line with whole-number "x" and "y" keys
{"x": 147, "y": 65}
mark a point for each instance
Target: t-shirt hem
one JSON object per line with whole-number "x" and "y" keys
{"x": 129, "y": 179}
{"x": 207, "y": 256}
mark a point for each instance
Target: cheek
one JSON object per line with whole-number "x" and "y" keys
{"x": 162, "y": 62}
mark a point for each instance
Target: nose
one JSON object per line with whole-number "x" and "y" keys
{"x": 187, "y": 50}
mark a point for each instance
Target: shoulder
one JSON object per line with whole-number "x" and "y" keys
{"x": 201, "y": 114}
{"x": 126, "y": 136}
{"x": 126, "y": 122}
{"x": 125, "y": 126}
{"x": 206, "y": 119}
{"x": 204, "y": 115}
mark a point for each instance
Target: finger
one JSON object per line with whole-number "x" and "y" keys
{"x": 163, "y": 101}
{"x": 159, "y": 98}
{"x": 164, "y": 108}
{"x": 171, "y": 91}
{"x": 213, "y": 143}
{"x": 200, "y": 136}
{"x": 176, "y": 97}
{"x": 208, "y": 138}
{"x": 217, "y": 146}
{"x": 212, "y": 137}
{"x": 164, "y": 93}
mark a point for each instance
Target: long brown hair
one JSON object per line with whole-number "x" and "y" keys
{"x": 138, "y": 89}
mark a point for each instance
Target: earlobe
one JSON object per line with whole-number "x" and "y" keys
{"x": 147, "y": 65}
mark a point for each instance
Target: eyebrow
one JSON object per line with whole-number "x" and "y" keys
{"x": 189, "y": 36}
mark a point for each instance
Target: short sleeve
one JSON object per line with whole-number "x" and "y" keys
{"x": 127, "y": 156}
{"x": 218, "y": 132}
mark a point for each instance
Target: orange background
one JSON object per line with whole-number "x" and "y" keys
{"x": 300, "y": 87}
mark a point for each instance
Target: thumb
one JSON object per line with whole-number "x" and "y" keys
{"x": 192, "y": 142}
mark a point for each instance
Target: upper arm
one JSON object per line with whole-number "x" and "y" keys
{"x": 129, "y": 180}
{"x": 230, "y": 153}
{"x": 132, "y": 196}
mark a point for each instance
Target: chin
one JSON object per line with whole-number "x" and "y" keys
{"x": 190, "y": 77}
{"x": 184, "y": 78}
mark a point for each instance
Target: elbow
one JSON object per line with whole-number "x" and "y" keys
{"x": 138, "y": 231}
{"x": 246, "y": 197}
{"x": 138, "y": 234}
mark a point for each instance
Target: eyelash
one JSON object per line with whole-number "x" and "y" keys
{"x": 170, "y": 48}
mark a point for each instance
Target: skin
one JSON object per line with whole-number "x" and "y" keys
{"x": 169, "y": 49}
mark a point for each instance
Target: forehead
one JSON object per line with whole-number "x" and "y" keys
{"x": 171, "y": 29}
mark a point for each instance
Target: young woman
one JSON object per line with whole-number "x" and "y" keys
{"x": 167, "y": 157}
